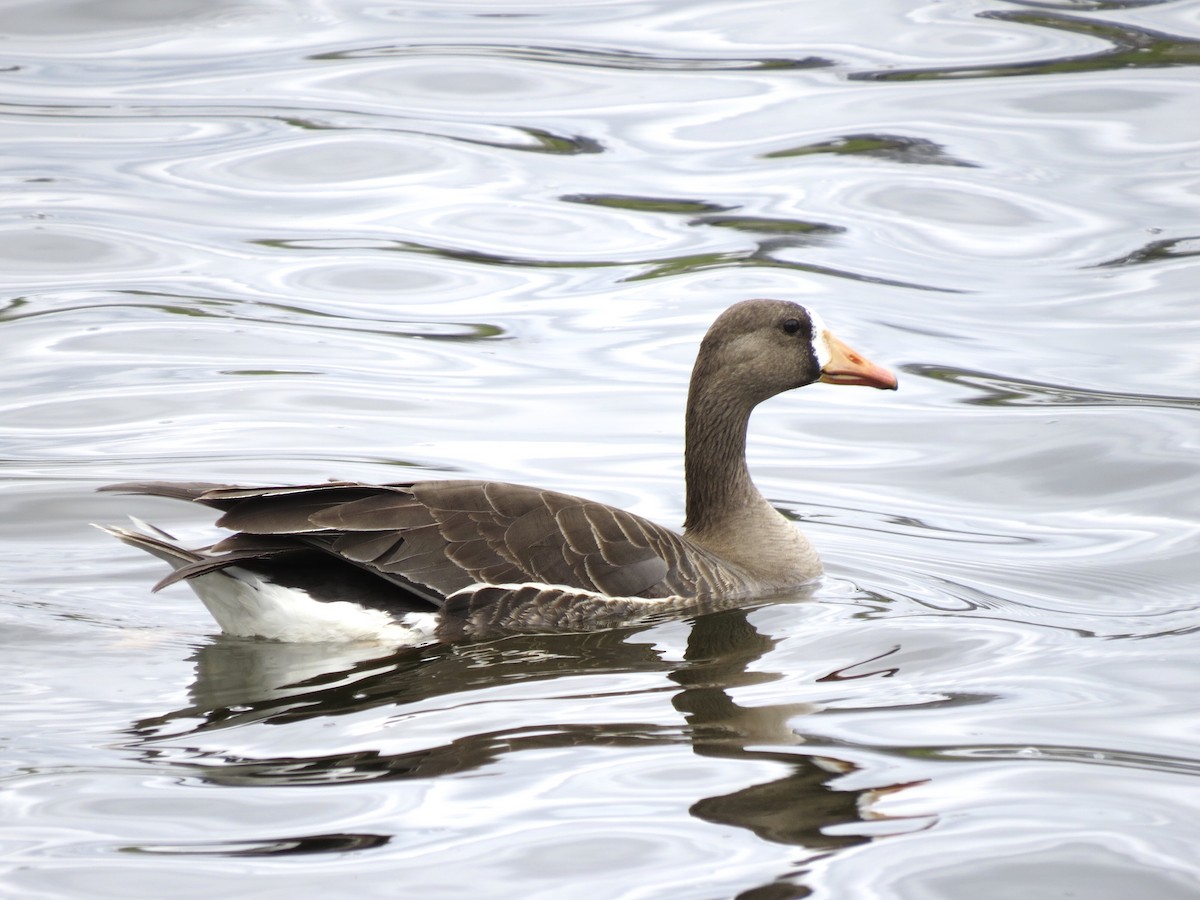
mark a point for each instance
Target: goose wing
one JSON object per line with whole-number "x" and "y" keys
{"x": 443, "y": 537}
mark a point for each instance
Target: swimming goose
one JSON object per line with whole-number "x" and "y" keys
{"x": 426, "y": 561}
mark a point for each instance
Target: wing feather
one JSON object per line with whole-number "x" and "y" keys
{"x": 290, "y": 513}
{"x": 448, "y": 536}
{"x": 366, "y": 548}
{"x": 392, "y": 510}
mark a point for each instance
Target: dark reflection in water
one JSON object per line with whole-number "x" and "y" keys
{"x": 608, "y": 58}
{"x": 543, "y": 141}
{"x": 194, "y": 306}
{"x": 635, "y": 203}
{"x": 1005, "y": 390}
{"x": 799, "y": 231}
{"x": 796, "y": 809}
{"x": 244, "y": 683}
{"x": 891, "y": 147}
{"x": 239, "y": 682}
{"x": 536, "y": 140}
{"x": 299, "y": 846}
{"x": 763, "y": 253}
{"x": 1132, "y": 48}
{"x": 1156, "y": 251}
{"x": 1153, "y": 762}
{"x": 1089, "y": 5}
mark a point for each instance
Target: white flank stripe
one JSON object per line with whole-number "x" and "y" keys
{"x": 650, "y": 602}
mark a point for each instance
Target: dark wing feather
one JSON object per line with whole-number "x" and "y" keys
{"x": 515, "y": 534}
{"x": 444, "y": 536}
{"x": 392, "y": 509}
{"x": 215, "y": 564}
{"x": 359, "y": 547}
{"x": 610, "y": 561}
{"x": 293, "y": 512}
{"x": 175, "y": 490}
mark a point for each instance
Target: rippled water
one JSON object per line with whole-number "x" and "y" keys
{"x": 258, "y": 241}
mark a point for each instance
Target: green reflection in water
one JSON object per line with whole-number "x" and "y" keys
{"x": 269, "y": 372}
{"x": 646, "y": 204}
{"x": 761, "y": 225}
{"x": 1133, "y": 48}
{"x": 1156, "y": 251}
{"x": 998, "y": 390}
{"x": 760, "y": 255}
{"x": 13, "y": 306}
{"x": 193, "y": 306}
{"x": 892, "y": 147}
{"x": 590, "y": 58}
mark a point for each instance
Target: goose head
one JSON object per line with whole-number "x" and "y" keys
{"x": 759, "y": 348}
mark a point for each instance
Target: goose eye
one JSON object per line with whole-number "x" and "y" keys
{"x": 791, "y": 326}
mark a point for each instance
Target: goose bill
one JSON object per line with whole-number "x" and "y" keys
{"x": 848, "y": 366}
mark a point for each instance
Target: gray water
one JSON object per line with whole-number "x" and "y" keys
{"x": 275, "y": 242}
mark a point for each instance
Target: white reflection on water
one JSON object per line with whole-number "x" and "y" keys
{"x": 262, "y": 242}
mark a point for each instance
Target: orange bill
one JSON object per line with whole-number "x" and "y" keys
{"x": 848, "y": 366}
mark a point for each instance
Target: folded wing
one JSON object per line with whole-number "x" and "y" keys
{"x": 437, "y": 538}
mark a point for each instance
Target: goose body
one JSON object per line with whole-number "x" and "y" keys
{"x": 415, "y": 562}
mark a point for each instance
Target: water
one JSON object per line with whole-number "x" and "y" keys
{"x": 261, "y": 242}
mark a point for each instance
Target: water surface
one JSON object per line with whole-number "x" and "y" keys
{"x": 247, "y": 241}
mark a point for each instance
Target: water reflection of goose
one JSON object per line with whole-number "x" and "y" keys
{"x": 257, "y": 709}
{"x": 410, "y": 563}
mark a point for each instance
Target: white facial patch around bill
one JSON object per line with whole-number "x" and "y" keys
{"x": 820, "y": 340}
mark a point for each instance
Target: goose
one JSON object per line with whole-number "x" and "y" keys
{"x": 419, "y": 562}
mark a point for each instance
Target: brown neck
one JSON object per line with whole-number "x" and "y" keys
{"x": 718, "y": 483}
{"x": 726, "y": 514}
